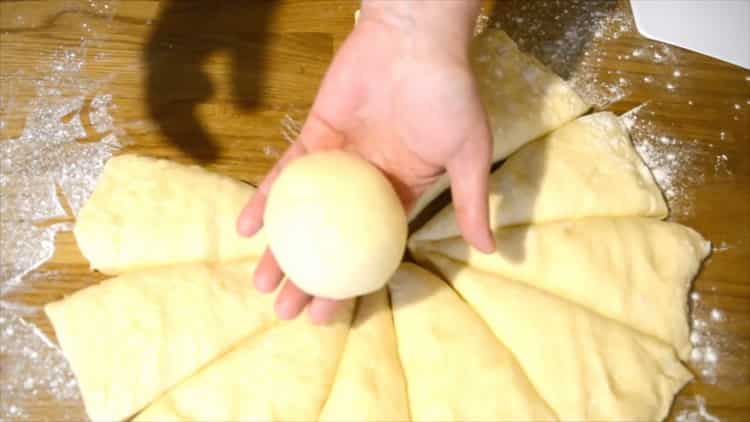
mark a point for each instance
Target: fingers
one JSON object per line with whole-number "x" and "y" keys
{"x": 323, "y": 310}
{"x": 469, "y": 173}
{"x": 268, "y": 274}
{"x": 316, "y": 135}
{"x": 290, "y": 301}
{"x": 251, "y": 217}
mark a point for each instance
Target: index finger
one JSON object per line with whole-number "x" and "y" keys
{"x": 316, "y": 135}
{"x": 250, "y": 219}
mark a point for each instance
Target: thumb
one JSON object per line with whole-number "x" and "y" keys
{"x": 469, "y": 174}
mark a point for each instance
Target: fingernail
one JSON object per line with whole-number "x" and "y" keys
{"x": 246, "y": 227}
{"x": 487, "y": 245}
{"x": 263, "y": 284}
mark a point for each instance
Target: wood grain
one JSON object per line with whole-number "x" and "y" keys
{"x": 211, "y": 82}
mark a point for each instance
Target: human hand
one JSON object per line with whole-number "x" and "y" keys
{"x": 400, "y": 93}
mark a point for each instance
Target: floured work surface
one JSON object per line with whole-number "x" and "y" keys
{"x": 692, "y": 132}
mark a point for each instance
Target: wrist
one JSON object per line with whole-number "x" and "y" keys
{"x": 445, "y": 24}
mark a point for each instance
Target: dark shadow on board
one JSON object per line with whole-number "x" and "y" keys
{"x": 186, "y": 33}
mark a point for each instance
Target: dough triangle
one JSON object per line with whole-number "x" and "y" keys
{"x": 522, "y": 98}
{"x": 455, "y": 367}
{"x": 130, "y": 338}
{"x": 284, "y": 374}
{"x": 585, "y": 366}
{"x": 586, "y": 168}
{"x": 146, "y": 213}
{"x": 633, "y": 270}
{"x": 369, "y": 384}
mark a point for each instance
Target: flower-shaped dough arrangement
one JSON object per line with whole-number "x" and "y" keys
{"x": 581, "y": 314}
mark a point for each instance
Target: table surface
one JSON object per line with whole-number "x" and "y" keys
{"x": 225, "y": 84}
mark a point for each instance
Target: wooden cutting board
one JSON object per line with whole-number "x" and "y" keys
{"x": 226, "y": 83}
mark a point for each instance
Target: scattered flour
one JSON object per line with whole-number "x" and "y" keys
{"x": 721, "y": 247}
{"x": 32, "y": 367}
{"x": 717, "y": 315}
{"x": 291, "y": 124}
{"x": 698, "y": 413}
{"x": 270, "y": 151}
{"x": 567, "y": 36}
{"x": 46, "y": 174}
{"x": 47, "y": 171}
{"x": 676, "y": 164}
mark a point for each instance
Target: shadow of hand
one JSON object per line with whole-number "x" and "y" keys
{"x": 186, "y": 33}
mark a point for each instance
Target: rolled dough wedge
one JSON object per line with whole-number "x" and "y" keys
{"x": 585, "y": 366}
{"x": 282, "y": 374}
{"x": 146, "y": 212}
{"x": 586, "y": 168}
{"x": 522, "y": 98}
{"x": 633, "y": 270}
{"x": 369, "y": 383}
{"x": 130, "y": 338}
{"x": 455, "y": 367}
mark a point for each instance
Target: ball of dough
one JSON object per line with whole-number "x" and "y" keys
{"x": 335, "y": 225}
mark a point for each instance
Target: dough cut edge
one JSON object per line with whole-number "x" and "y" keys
{"x": 109, "y": 249}
{"x": 576, "y": 106}
{"x": 53, "y": 310}
{"x": 607, "y": 126}
{"x": 675, "y": 374}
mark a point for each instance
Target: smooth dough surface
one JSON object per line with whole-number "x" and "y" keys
{"x": 456, "y": 370}
{"x": 522, "y": 98}
{"x": 586, "y": 168}
{"x": 335, "y": 225}
{"x": 369, "y": 384}
{"x": 281, "y": 374}
{"x": 634, "y": 270}
{"x": 147, "y": 212}
{"x": 130, "y": 338}
{"x": 585, "y": 366}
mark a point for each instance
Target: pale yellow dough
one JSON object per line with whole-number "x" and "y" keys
{"x": 586, "y": 168}
{"x": 456, "y": 370}
{"x": 580, "y": 314}
{"x": 522, "y": 98}
{"x": 282, "y": 374}
{"x": 146, "y": 212}
{"x": 633, "y": 270}
{"x": 335, "y": 225}
{"x": 130, "y": 338}
{"x": 369, "y": 384}
{"x": 585, "y": 366}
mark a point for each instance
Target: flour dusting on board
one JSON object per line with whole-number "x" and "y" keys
{"x": 63, "y": 132}
{"x": 707, "y": 344}
{"x": 571, "y": 37}
{"x": 33, "y": 368}
{"x": 698, "y": 412}
{"x": 46, "y": 174}
{"x": 566, "y": 35}
{"x": 291, "y": 125}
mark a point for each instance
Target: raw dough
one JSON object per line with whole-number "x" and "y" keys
{"x": 282, "y": 374}
{"x": 577, "y": 318}
{"x": 335, "y": 225}
{"x": 455, "y": 367}
{"x": 586, "y": 168}
{"x": 369, "y": 383}
{"x": 130, "y": 338}
{"x": 585, "y": 366}
{"x": 633, "y": 270}
{"x": 522, "y": 98}
{"x": 146, "y": 212}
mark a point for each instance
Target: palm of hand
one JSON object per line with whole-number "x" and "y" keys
{"x": 413, "y": 114}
